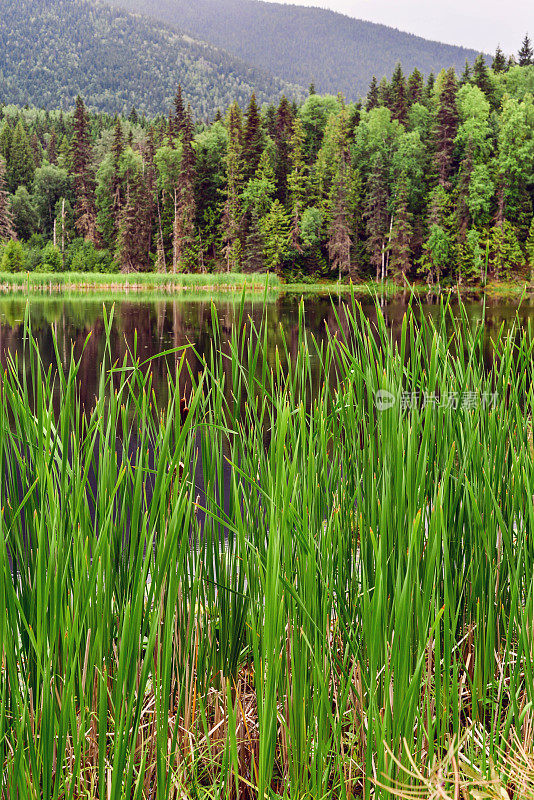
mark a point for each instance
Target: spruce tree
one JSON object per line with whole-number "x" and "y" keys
{"x": 526, "y": 53}
{"x": 372, "y": 95}
{"x": 284, "y": 128}
{"x": 499, "y": 63}
{"x": 481, "y": 77}
{"x": 466, "y": 74}
{"x": 297, "y": 182}
{"x": 51, "y": 151}
{"x": 84, "y": 180}
{"x": 186, "y": 206}
{"x": 232, "y": 215}
{"x": 6, "y": 137}
{"x": 7, "y": 229}
{"x": 446, "y": 128}
{"x": 429, "y": 88}
{"x": 384, "y": 93}
{"x": 252, "y": 140}
{"x": 376, "y": 215}
{"x": 398, "y": 102}
{"x": 415, "y": 87}
{"x": 179, "y": 112}
{"x": 339, "y": 238}
{"x": 401, "y": 235}
{"x": 21, "y": 161}
{"x": 117, "y": 149}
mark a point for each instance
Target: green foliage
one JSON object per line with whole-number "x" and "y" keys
{"x": 83, "y": 256}
{"x": 437, "y": 253}
{"x": 530, "y": 245}
{"x": 51, "y": 184}
{"x": 408, "y": 182}
{"x": 52, "y": 260}
{"x": 311, "y": 227}
{"x": 274, "y": 228}
{"x": 505, "y": 254}
{"x": 12, "y": 257}
{"x": 24, "y": 214}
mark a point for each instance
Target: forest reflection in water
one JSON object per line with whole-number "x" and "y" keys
{"x": 154, "y": 327}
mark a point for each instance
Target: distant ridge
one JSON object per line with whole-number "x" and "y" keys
{"x": 303, "y": 45}
{"x": 51, "y": 50}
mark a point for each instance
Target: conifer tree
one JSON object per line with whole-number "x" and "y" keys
{"x": 179, "y": 112}
{"x": 384, "y": 93}
{"x": 84, "y": 180}
{"x": 232, "y": 215}
{"x": 429, "y": 88}
{"x": 284, "y": 128}
{"x": 339, "y": 230}
{"x": 253, "y": 140}
{"x": 372, "y": 95}
{"x": 415, "y": 87}
{"x": 481, "y": 76}
{"x": 21, "y": 161}
{"x": 297, "y": 182}
{"x": 117, "y": 149}
{"x": 6, "y": 137}
{"x": 401, "y": 235}
{"x": 377, "y": 216}
{"x": 504, "y": 250}
{"x": 466, "y": 74}
{"x": 257, "y": 200}
{"x": 398, "y": 102}
{"x": 446, "y": 128}
{"x": 7, "y": 229}
{"x": 526, "y": 53}
{"x": 51, "y": 151}
{"x": 185, "y": 209}
{"x": 499, "y": 63}
{"x": 137, "y": 217}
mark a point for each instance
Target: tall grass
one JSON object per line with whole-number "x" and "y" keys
{"x": 343, "y": 605}
{"x": 146, "y": 280}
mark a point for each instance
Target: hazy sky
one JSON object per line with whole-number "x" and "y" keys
{"x": 473, "y": 23}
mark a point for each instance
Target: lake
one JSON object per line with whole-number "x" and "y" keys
{"x": 153, "y": 327}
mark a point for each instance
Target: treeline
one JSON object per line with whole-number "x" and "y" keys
{"x": 429, "y": 179}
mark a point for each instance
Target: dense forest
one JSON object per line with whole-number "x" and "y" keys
{"x": 305, "y": 45}
{"x": 429, "y": 179}
{"x": 52, "y": 50}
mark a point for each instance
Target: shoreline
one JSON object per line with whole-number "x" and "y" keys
{"x": 233, "y": 283}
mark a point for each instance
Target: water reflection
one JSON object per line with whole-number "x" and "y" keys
{"x": 150, "y": 328}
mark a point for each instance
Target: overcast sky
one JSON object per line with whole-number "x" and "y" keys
{"x": 473, "y": 23}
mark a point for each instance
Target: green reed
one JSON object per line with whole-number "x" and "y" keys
{"x": 354, "y": 598}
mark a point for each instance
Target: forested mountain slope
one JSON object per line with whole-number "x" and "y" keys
{"x": 305, "y": 45}
{"x": 51, "y": 50}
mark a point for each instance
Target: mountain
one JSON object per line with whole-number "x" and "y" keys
{"x": 304, "y": 45}
{"x": 51, "y": 50}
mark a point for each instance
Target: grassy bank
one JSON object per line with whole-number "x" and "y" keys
{"x": 222, "y": 282}
{"x": 138, "y": 281}
{"x": 340, "y": 598}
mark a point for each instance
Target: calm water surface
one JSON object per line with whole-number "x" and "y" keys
{"x": 153, "y": 327}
